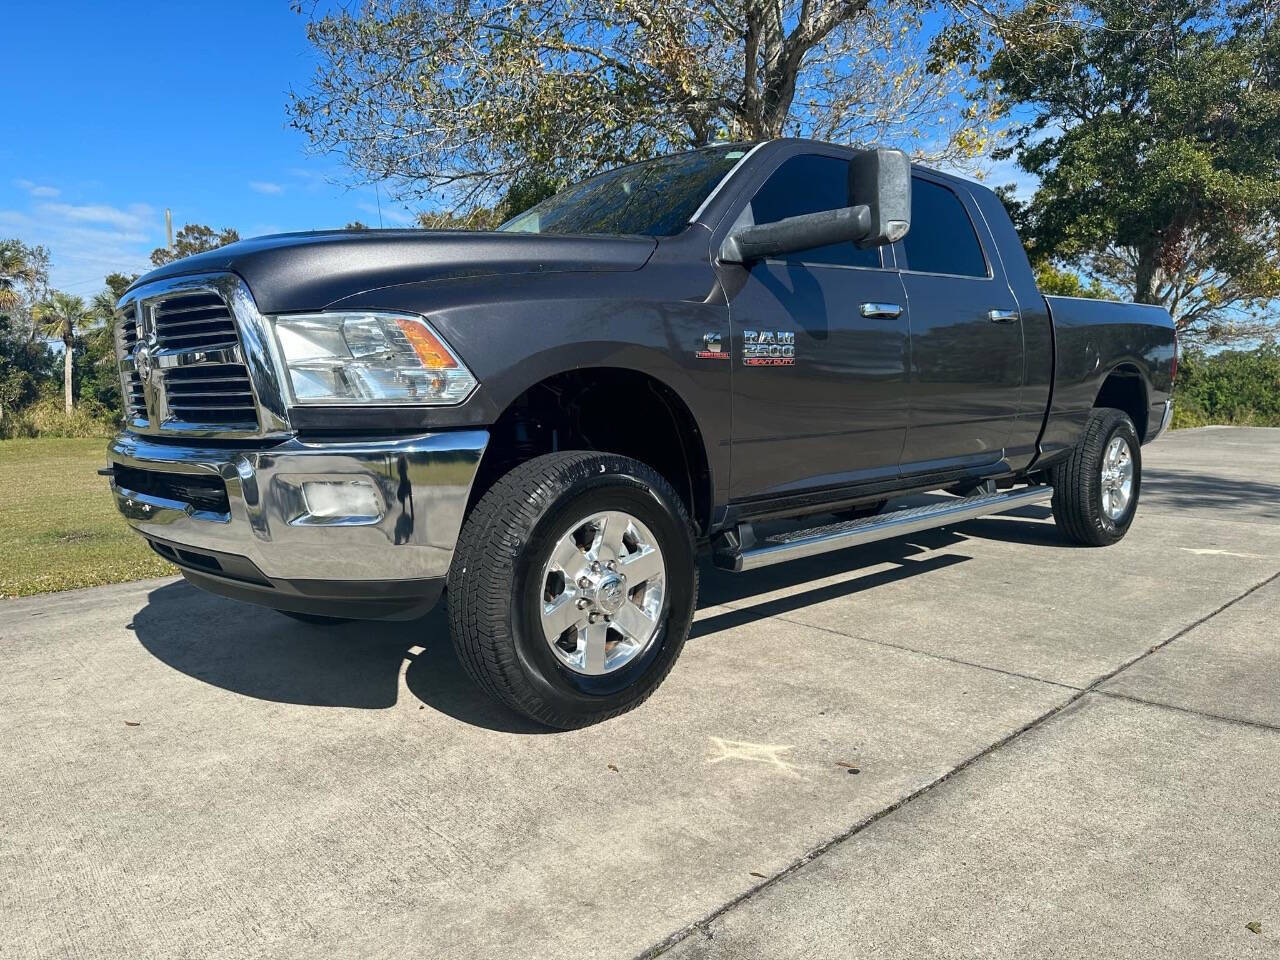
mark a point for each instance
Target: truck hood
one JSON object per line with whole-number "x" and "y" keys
{"x": 309, "y": 271}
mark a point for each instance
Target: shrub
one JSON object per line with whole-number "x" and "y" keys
{"x": 48, "y": 418}
{"x": 1234, "y": 386}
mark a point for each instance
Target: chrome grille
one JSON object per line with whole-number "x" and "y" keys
{"x": 211, "y": 393}
{"x": 196, "y": 320}
{"x": 196, "y": 360}
{"x": 135, "y": 400}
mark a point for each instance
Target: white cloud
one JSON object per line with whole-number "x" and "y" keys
{"x": 36, "y": 189}
{"x": 131, "y": 219}
{"x": 86, "y": 242}
{"x": 311, "y": 179}
{"x": 265, "y": 186}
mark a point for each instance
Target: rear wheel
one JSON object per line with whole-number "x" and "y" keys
{"x": 573, "y": 587}
{"x": 1095, "y": 490}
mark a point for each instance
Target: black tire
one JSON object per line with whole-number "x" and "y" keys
{"x": 314, "y": 619}
{"x": 1077, "y": 482}
{"x": 494, "y": 586}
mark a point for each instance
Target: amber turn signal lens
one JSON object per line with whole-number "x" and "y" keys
{"x": 430, "y": 351}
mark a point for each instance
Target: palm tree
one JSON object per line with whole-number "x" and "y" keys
{"x": 14, "y": 269}
{"x": 102, "y": 338}
{"x": 59, "y": 318}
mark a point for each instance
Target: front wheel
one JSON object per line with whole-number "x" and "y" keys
{"x": 1095, "y": 490}
{"x": 573, "y": 587}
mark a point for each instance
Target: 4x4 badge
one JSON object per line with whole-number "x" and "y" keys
{"x": 712, "y": 348}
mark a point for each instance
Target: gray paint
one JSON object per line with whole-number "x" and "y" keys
{"x": 871, "y": 404}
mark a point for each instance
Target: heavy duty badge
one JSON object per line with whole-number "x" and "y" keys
{"x": 768, "y": 348}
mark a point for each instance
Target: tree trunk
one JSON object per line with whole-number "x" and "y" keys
{"x": 1144, "y": 276}
{"x": 66, "y": 373}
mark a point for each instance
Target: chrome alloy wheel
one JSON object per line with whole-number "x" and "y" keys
{"x": 602, "y": 593}
{"x": 1117, "y": 478}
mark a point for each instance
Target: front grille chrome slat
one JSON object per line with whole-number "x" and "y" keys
{"x": 174, "y": 318}
{"x": 187, "y": 395}
{"x": 184, "y": 324}
{"x": 198, "y": 393}
{"x": 220, "y": 337}
{"x": 184, "y": 346}
{"x": 212, "y": 307}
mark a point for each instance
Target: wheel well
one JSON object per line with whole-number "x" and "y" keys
{"x": 610, "y": 410}
{"x": 1124, "y": 390}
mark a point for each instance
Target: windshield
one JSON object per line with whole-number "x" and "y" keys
{"x": 655, "y": 198}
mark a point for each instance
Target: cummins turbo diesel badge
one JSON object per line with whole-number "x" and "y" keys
{"x": 768, "y": 348}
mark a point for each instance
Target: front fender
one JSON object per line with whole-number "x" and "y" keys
{"x": 517, "y": 333}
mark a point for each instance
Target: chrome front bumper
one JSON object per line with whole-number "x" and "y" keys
{"x": 268, "y": 546}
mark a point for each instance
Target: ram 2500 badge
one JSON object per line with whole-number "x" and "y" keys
{"x": 552, "y": 420}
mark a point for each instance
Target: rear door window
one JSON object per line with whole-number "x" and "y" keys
{"x": 941, "y": 238}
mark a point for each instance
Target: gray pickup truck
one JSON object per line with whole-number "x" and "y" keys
{"x": 553, "y": 420}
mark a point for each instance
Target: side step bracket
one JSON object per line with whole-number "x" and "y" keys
{"x": 739, "y": 550}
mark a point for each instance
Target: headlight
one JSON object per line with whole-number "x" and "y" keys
{"x": 369, "y": 357}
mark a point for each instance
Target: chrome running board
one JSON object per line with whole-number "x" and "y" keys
{"x": 737, "y": 552}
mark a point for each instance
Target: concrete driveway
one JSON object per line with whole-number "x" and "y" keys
{"x": 976, "y": 742}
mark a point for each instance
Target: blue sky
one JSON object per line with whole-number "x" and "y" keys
{"x": 123, "y": 110}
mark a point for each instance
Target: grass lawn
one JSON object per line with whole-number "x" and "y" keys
{"x": 58, "y": 524}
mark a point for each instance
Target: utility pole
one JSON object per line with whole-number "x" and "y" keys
{"x": 168, "y": 228}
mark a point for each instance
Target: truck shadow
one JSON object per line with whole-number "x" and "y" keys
{"x": 1184, "y": 490}
{"x": 261, "y": 654}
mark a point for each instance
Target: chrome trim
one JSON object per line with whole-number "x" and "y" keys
{"x": 886, "y": 311}
{"x": 255, "y": 351}
{"x": 851, "y": 533}
{"x": 1166, "y": 418}
{"x": 724, "y": 181}
{"x": 423, "y": 481}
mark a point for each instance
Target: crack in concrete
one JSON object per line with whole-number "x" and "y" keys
{"x": 1080, "y": 693}
{"x": 1254, "y": 724}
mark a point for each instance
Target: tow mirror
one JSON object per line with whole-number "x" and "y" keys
{"x": 747, "y": 244}
{"x": 881, "y": 179}
{"x": 880, "y": 213}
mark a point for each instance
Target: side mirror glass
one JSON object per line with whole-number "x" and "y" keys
{"x": 880, "y": 179}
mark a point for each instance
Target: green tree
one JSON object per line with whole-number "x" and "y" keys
{"x": 62, "y": 317}
{"x": 1057, "y": 281}
{"x": 24, "y": 367}
{"x": 1154, "y": 128}
{"x": 98, "y": 377}
{"x": 24, "y": 280}
{"x": 192, "y": 239}
{"x": 1229, "y": 386}
{"x": 470, "y": 101}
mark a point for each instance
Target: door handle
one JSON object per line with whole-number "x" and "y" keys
{"x": 883, "y": 310}
{"x": 1002, "y": 316}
